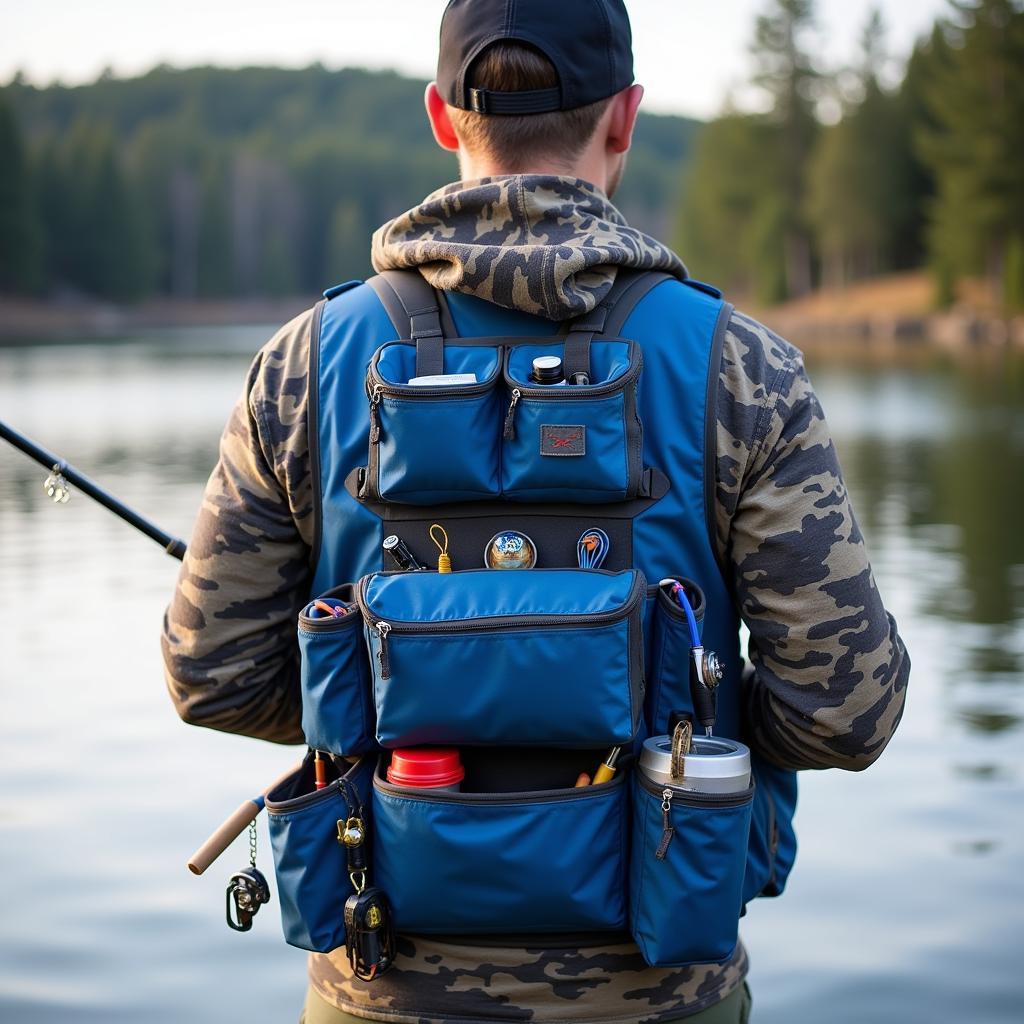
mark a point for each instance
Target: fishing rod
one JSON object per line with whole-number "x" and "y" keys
{"x": 62, "y": 474}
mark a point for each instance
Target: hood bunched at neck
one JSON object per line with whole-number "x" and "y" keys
{"x": 540, "y": 244}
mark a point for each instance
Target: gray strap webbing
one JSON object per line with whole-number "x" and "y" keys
{"x": 422, "y": 314}
{"x": 576, "y": 357}
{"x": 607, "y": 317}
{"x": 419, "y": 310}
{"x": 626, "y": 293}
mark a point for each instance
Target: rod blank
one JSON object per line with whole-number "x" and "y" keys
{"x": 172, "y": 545}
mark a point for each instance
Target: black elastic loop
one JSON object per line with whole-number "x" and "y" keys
{"x": 420, "y": 303}
{"x": 529, "y": 101}
{"x": 429, "y": 354}
{"x": 425, "y": 330}
{"x": 576, "y": 357}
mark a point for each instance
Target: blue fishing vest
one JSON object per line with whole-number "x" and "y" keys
{"x": 554, "y": 659}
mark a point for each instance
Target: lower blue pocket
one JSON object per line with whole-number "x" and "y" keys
{"x": 478, "y": 863}
{"x": 337, "y": 710}
{"x": 309, "y": 862}
{"x": 686, "y": 886}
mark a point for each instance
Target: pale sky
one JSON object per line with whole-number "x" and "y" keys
{"x": 689, "y": 54}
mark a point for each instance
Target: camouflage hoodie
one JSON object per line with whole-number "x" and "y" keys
{"x": 830, "y": 668}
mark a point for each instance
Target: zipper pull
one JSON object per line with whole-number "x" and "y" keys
{"x": 383, "y": 628}
{"x": 667, "y": 831}
{"x": 510, "y": 427}
{"x": 374, "y": 417}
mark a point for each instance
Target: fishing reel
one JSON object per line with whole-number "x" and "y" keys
{"x": 706, "y": 672}
{"x": 247, "y": 891}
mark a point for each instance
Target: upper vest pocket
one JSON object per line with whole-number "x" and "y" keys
{"x": 433, "y": 441}
{"x": 483, "y": 429}
{"x": 573, "y": 442}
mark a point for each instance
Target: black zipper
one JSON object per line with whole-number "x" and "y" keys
{"x": 544, "y": 796}
{"x": 488, "y": 623}
{"x": 297, "y": 802}
{"x": 377, "y": 388}
{"x": 696, "y": 799}
{"x": 570, "y": 392}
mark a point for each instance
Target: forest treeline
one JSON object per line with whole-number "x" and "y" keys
{"x": 211, "y": 182}
{"x": 929, "y": 172}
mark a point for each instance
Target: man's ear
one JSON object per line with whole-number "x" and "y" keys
{"x": 440, "y": 122}
{"x": 624, "y": 108}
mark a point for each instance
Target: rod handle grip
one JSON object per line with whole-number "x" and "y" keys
{"x": 233, "y": 827}
{"x": 223, "y": 837}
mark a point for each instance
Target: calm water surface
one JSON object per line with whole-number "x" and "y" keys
{"x": 907, "y": 902}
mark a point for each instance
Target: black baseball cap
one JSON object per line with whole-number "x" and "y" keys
{"x": 588, "y": 41}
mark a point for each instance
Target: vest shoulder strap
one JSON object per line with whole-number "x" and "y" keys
{"x": 606, "y": 318}
{"x": 420, "y": 313}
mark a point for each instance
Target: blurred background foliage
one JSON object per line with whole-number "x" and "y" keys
{"x": 215, "y": 183}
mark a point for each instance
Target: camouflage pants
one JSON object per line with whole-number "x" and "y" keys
{"x": 734, "y": 1009}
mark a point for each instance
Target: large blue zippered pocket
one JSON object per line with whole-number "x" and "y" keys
{"x": 503, "y": 863}
{"x": 687, "y": 863}
{"x": 538, "y": 657}
{"x": 334, "y": 675}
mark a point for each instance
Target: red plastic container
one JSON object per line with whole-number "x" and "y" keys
{"x": 426, "y": 768}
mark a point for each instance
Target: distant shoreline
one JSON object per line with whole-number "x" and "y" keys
{"x": 28, "y": 320}
{"x": 876, "y": 317}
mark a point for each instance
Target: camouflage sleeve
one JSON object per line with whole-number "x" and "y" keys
{"x": 229, "y": 643}
{"x": 830, "y": 670}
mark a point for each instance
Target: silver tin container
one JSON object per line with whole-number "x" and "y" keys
{"x": 713, "y": 765}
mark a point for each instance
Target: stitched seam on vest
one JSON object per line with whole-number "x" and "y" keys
{"x": 714, "y": 376}
{"x": 313, "y": 432}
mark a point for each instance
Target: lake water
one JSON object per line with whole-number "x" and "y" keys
{"x": 907, "y": 903}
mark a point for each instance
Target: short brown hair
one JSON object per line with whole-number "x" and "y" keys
{"x": 512, "y": 138}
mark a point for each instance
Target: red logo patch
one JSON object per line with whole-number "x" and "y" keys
{"x": 563, "y": 439}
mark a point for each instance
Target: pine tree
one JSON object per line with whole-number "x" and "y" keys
{"x": 976, "y": 148}
{"x": 101, "y": 232}
{"x": 859, "y": 199}
{"x": 787, "y": 73}
{"x": 729, "y": 226}
{"x": 214, "y": 257}
{"x": 20, "y": 231}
